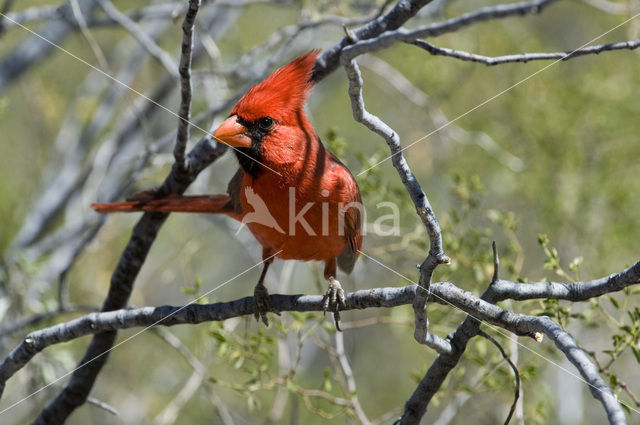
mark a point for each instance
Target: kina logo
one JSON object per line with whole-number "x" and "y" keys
{"x": 261, "y": 214}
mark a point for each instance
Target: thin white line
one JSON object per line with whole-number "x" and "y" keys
{"x": 132, "y": 89}
{"x": 499, "y": 330}
{"x": 496, "y": 96}
{"x": 137, "y": 333}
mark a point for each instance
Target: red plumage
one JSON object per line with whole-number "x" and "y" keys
{"x": 281, "y": 94}
{"x": 287, "y": 172}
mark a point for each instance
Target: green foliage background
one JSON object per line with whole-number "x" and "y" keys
{"x": 574, "y": 127}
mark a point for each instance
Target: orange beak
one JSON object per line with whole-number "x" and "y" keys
{"x": 232, "y": 133}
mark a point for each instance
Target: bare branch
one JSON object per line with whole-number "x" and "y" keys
{"x": 202, "y": 155}
{"x": 519, "y": 324}
{"x": 110, "y": 321}
{"x": 20, "y": 324}
{"x": 573, "y": 291}
{"x": 132, "y": 259}
{"x": 351, "y": 382}
{"x": 84, "y": 29}
{"x": 513, "y": 367}
{"x": 288, "y": 33}
{"x": 436, "y": 254}
{"x": 524, "y": 57}
{"x": 448, "y": 130}
{"x": 487, "y": 13}
{"x": 6, "y": 6}
{"x": 185, "y": 77}
{"x": 102, "y": 405}
{"x": 496, "y": 263}
{"x": 443, "y": 292}
{"x": 39, "y": 13}
{"x": 141, "y": 36}
{"x": 197, "y": 380}
{"x": 613, "y": 7}
{"x": 480, "y": 310}
{"x": 30, "y": 14}
{"x": 502, "y": 290}
{"x": 407, "y": 177}
{"x": 77, "y": 139}
{"x": 397, "y": 16}
{"x": 35, "y": 49}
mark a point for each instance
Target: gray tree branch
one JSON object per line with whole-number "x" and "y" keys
{"x": 34, "y": 49}
{"x": 141, "y": 36}
{"x": 436, "y": 253}
{"x": 443, "y": 292}
{"x": 77, "y": 389}
{"x": 524, "y": 57}
{"x": 499, "y": 291}
{"x": 573, "y": 291}
{"x": 185, "y": 85}
{"x": 42, "y": 13}
{"x": 514, "y": 368}
{"x": 388, "y": 38}
{"x": 404, "y": 10}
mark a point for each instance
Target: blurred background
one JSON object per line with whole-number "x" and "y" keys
{"x": 549, "y": 170}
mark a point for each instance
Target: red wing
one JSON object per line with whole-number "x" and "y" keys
{"x": 233, "y": 190}
{"x": 352, "y": 219}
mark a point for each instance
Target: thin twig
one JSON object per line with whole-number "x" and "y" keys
{"x": 436, "y": 255}
{"x": 185, "y": 86}
{"x": 20, "y": 324}
{"x": 450, "y": 131}
{"x": 345, "y": 366}
{"x": 6, "y": 6}
{"x": 141, "y": 36}
{"x": 496, "y": 263}
{"x": 623, "y": 8}
{"x": 84, "y": 29}
{"x": 524, "y": 57}
{"x": 198, "y": 379}
{"x": 404, "y": 10}
{"x": 102, "y": 405}
{"x": 487, "y": 13}
{"x": 513, "y": 367}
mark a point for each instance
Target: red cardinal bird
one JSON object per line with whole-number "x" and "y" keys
{"x": 297, "y": 199}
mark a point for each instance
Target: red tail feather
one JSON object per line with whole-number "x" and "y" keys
{"x": 210, "y": 204}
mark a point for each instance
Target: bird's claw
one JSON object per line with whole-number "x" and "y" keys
{"x": 263, "y": 305}
{"x": 333, "y": 300}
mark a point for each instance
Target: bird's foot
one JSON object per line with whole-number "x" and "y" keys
{"x": 263, "y": 305}
{"x": 333, "y": 300}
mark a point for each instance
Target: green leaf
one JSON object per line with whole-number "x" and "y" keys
{"x": 218, "y": 335}
{"x": 326, "y": 385}
{"x": 614, "y": 302}
{"x": 627, "y": 329}
{"x": 494, "y": 216}
{"x": 575, "y": 264}
{"x": 251, "y": 403}
{"x": 543, "y": 239}
{"x": 626, "y": 408}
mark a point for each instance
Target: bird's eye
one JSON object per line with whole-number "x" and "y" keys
{"x": 265, "y": 123}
